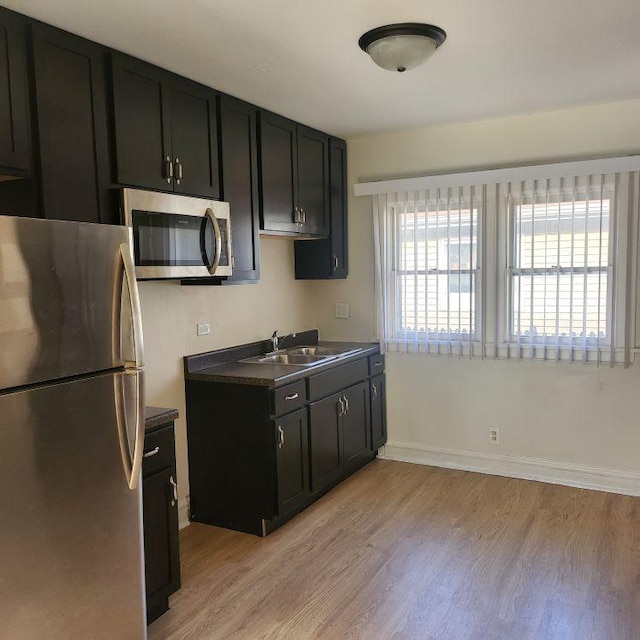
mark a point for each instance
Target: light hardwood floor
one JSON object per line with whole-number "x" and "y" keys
{"x": 407, "y": 551}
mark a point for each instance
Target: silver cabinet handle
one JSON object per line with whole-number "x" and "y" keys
{"x": 296, "y": 215}
{"x": 179, "y": 171}
{"x": 293, "y": 396}
{"x": 346, "y": 404}
{"x": 174, "y": 486}
{"x": 153, "y": 452}
{"x": 280, "y": 437}
{"x": 375, "y": 391}
{"x": 303, "y": 216}
{"x": 341, "y": 407}
{"x": 168, "y": 169}
{"x": 335, "y": 263}
{"x": 378, "y": 364}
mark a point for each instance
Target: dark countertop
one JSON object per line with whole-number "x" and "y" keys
{"x": 155, "y": 417}
{"x": 275, "y": 375}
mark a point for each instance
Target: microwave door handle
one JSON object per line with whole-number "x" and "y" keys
{"x": 218, "y": 240}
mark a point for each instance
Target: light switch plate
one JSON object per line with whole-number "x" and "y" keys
{"x": 204, "y": 328}
{"x": 341, "y": 310}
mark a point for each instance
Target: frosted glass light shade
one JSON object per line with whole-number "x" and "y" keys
{"x": 398, "y": 47}
{"x": 399, "y": 53}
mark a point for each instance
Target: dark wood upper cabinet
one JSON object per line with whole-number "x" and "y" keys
{"x": 165, "y": 130}
{"x": 328, "y": 258}
{"x": 239, "y": 169}
{"x": 141, "y": 118}
{"x": 194, "y": 139}
{"x": 14, "y": 137}
{"x": 278, "y": 174}
{"x": 294, "y": 177}
{"x": 313, "y": 180}
{"x": 72, "y": 127}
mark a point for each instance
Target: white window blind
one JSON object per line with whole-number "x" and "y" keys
{"x": 432, "y": 244}
{"x": 542, "y": 268}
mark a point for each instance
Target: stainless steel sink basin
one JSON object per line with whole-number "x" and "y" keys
{"x": 320, "y": 351}
{"x": 300, "y": 360}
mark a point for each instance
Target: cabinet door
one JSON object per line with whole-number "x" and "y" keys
{"x": 292, "y": 459}
{"x": 278, "y": 173}
{"x": 378, "y": 412}
{"x": 313, "y": 180}
{"x": 70, "y": 90}
{"x": 14, "y": 141}
{"x": 161, "y": 546}
{"x": 194, "y": 139}
{"x": 338, "y": 205}
{"x": 239, "y": 160}
{"x": 325, "y": 442}
{"x": 141, "y": 120}
{"x": 356, "y": 428}
{"x": 328, "y": 258}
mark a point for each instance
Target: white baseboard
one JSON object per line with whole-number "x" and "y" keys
{"x": 572, "y": 475}
{"x": 183, "y": 513}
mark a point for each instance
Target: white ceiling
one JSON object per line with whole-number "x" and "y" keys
{"x": 301, "y": 58}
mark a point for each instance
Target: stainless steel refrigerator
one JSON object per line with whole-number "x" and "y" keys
{"x": 71, "y": 433}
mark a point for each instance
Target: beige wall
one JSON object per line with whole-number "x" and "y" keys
{"x": 571, "y": 414}
{"x": 238, "y": 314}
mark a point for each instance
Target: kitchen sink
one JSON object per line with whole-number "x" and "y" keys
{"x": 321, "y": 351}
{"x": 305, "y": 356}
{"x": 297, "y": 359}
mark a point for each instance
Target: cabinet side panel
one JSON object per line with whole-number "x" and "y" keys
{"x": 231, "y": 454}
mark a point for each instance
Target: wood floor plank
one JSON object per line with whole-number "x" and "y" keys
{"x": 410, "y": 552}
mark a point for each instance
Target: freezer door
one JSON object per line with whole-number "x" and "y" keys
{"x": 71, "y": 560}
{"x": 61, "y": 297}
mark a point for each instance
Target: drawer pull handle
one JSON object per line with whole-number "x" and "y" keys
{"x": 378, "y": 364}
{"x": 293, "y": 396}
{"x": 375, "y": 391}
{"x": 174, "y": 486}
{"x": 280, "y": 437}
{"x": 153, "y": 452}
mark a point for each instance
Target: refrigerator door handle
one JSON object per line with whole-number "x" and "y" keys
{"x": 132, "y": 463}
{"x": 134, "y": 302}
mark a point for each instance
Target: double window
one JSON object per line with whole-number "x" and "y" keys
{"x": 539, "y": 269}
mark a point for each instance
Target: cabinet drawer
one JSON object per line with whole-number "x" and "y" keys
{"x": 328, "y": 382}
{"x": 289, "y": 398}
{"x": 376, "y": 364}
{"x": 159, "y": 450}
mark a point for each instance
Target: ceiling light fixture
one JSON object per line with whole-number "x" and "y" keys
{"x": 398, "y": 47}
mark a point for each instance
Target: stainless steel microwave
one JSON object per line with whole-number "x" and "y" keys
{"x": 174, "y": 236}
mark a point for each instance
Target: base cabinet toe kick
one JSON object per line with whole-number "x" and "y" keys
{"x": 260, "y": 455}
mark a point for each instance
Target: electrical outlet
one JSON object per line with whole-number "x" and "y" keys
{"x": 204, "y": 328}
{"x": 341, "y": 310}
{"x": 494, "y": 435}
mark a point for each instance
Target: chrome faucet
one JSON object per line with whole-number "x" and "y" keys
{"x": 274, "y": 340}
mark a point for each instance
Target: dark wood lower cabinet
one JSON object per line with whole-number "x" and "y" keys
{"x": 292, "y": 460}
{"x": 378, "y": 412}
{"x": 325, "y": 441}
{"x": 259, "y": 455}
{"x": 160, "y": 517}
{"x": 356, "y": 429}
